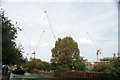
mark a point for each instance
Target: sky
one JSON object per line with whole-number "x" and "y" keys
{"x": 67, "y": 18}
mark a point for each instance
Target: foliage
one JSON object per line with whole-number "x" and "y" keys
{"x": 37, "y": 64}
{"x": 114, "y": 70}
{"x": 10, "y": 53}
{"x": 115, "y": 62}
{"x": 65, "y": 56}
{"x": 79, "y": 66}
{"x": 65, "y": 52}
{"x": 101, "y": 67}
{"x": 60, "y": 69}
{"x": 111, "y": 70}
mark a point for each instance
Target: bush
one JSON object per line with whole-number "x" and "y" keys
{"x": 79, "y": 66}
{"x": 60, "y": 69}
{"x": 37, "y": 64}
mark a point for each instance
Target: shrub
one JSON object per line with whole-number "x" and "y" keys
{"x": 60, "y": 69}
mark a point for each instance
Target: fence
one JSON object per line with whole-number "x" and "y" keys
{"x": 85, "y": 76}
{"x": 82, "y": 75}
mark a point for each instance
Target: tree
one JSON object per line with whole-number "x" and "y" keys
{"x": 65, "y": 53}
{"x": 37, "y": 64}
{"x": 10, "y": 53}
{"x": 114, "y": 70}
{"x": 110, "y": 70}
{"x": 101, "y": 67}
{"x": 79, "y": 66}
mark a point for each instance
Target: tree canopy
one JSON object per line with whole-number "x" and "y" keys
{"x": 37, "y": 64}
{"x": 11, "y": 54}
{"x": 66, "y": 53}
{"x": 110, "y": 70}
{"x": 101, "y": 67}
{"x": 114, "y": 69}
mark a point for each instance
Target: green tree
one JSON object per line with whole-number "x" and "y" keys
{"x": 11, "y": 54}
{"x": 79, "y": 66}
{"x": 114, "y": 70}
{"x": 101, "y": 67}
{"x": 110, "y": 70}
{"x": 47, "y": 66}
{"x": 37, "y": 64}
{"x": 65, "y": 53}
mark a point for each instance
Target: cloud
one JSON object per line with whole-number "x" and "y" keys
{"x": 67, "y": 19}
{"x": 84, "y": 41}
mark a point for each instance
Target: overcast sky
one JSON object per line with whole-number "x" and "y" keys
{"x": 74, "y": 19}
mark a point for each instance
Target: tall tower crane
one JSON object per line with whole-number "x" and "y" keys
{"x": 34, "y": 53}
{"x": 98, "y": 50}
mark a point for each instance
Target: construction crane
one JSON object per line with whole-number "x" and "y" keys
{"x": 43, "y": 33}
{"x": 50, "y": 25}
{"x": 34, "y": 53}
{"x": 98, "y": 50}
